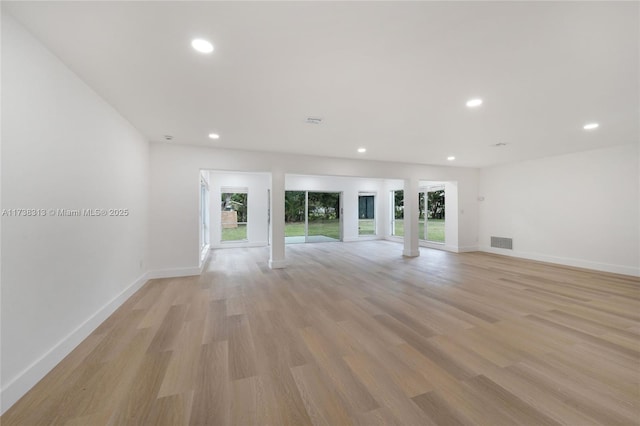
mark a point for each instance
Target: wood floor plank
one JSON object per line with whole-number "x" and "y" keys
{"x": 322, "y": 404}
{"x": 242, "y": 361}
{"x": 211, "y": 399}
{"x": 437, "y": 409}
{"x": 357, "y": 334}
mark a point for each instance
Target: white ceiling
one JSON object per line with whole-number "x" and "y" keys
{"x": 393, "y": 77}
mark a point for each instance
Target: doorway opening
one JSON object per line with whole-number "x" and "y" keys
{"x": 233, "y": 214}
{"x": 313, "y": 216}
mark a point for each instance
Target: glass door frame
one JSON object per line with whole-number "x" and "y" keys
{"x": 306, "y": 213}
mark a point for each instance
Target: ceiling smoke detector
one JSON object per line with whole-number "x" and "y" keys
{"x": 314, "y": 120}
{"x": 168, "y": 137}
{"x": 499, "y": 144}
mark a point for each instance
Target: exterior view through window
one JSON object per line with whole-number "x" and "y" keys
{"x": 366, "y": 214}
{"x": 397, "y": 213}
{"x": 431, "y": 217}
{"x": 312, "y": 216}
{"x": 204, "y": 214}
{"x": 233, "y": 215}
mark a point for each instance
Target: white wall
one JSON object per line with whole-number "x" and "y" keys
{"x": 350, "y": 188}
{"x": 257, "y": 209}
{"x": 62, "y": 147}
{"x": 174, "y": 193}
{"x": 578, "y": 209}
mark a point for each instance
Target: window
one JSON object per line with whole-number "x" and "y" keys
{"x": 312, "y": 216}
{"x": 233, "y": 214}
{"x": 397, "y": 213}
{"x": 204, "y": 214}
{"x": 431, "y": 214}
{"x": 435, "y": 215}
{"x": 366, "y": 214}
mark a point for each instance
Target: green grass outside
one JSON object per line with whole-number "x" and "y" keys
{"x": 331, "y": 228}
{"x": 294, "y": 229}
{"x": 328, "y": 228}
{"x": 398, "y": 228}
{"x": 366, "y": 227}
{"x": 435, "y": 229}
{"x": 234, "y": 234}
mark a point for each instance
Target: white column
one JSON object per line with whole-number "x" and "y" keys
{"x": 411, "y": 248}
{"x": 277, "y": 259}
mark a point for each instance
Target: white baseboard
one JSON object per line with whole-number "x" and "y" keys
{"x": 240, "y": 245}
{"x": 277, "y": 264}
{"x": 578, "y": 263}
{"x": 467, "y": 249}
{"x": 175, "y": 272}
{"x": 20, "y": 385}
{"x": 364, "y": 238}
{"x": 437, "y": 246}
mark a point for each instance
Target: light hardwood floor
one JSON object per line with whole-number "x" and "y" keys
{"x": 356, "y": 334}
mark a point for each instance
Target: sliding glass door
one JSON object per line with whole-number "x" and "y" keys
{"x": 295, "y": 210}
{"x": 397, "y": 213}
{"x": 323, "y": 216}
{"x": 431, "y": 217}
{"x": 312, "y": 216}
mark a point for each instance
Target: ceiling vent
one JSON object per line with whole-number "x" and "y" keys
{"x": 314, "y": 120}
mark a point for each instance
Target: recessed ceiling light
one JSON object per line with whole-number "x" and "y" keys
{"x": 591, "y": 126}
{"x": 472, "y": 103}
{"x": 451, "y": 158}
{"x": 214, "y": 136}
{"x": 202, "y": 46}
{"x": 362, "y": 150}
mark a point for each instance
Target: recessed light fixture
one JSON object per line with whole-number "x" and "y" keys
{"x": 214, "y": 136}
{"x": 362, "y": 150}
{"x": 591, "y": 126}
{"x": 472, "y": 103}
{"x": 202, "y": 46}
{"x": 451, "y": 158}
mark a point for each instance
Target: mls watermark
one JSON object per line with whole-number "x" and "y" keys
{"x": 65, "y": 212}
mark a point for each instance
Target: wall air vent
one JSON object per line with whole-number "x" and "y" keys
{"x": 501, "y": 242}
